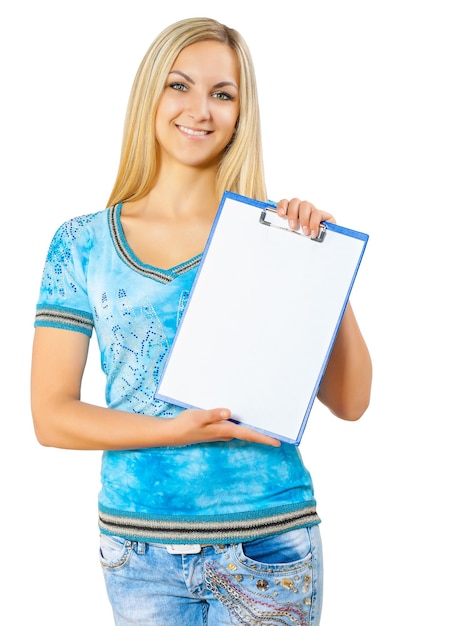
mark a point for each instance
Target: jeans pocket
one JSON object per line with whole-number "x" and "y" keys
{"x": 276, "y": 580}
{"x": 285, "y": 548}
{"x": 114, "y": 551}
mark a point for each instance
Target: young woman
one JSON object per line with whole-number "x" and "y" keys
{"x": 202, "y": 521}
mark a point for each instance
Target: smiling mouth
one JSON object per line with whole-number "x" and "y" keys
{"x": 191, "y": 131}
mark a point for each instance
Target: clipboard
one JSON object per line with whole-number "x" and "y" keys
{"x": 261, "y": 318}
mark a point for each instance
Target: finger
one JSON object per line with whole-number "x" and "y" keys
{"x": 306, "y": 209}
{"x": 212, "y": 416}
{"x": 247, "y": 434}
{"x": 293, "y": 213}
{"x": 225, "y": 430}
{"x": 327, "y": 217}
{"x": 281, "y": 207}
{"x": 316, "y": 218}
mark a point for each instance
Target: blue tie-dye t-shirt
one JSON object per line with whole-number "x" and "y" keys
{"x": 200, "y": 493}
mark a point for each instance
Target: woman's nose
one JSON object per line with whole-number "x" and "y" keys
{"x": 198, "y": 107}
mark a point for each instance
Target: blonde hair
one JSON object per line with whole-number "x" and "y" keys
{"x": 241, "y": 168}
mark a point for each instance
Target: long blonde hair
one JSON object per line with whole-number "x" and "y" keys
{"x": 241, "y": 168}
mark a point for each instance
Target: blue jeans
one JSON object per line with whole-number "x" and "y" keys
{"x": 277, "y": 580}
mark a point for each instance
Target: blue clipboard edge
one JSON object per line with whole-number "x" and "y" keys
{"x": 334, "y": 227}
{"x": 357, "y": 235}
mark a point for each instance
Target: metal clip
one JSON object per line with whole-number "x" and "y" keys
{"x": 272, "y": 212}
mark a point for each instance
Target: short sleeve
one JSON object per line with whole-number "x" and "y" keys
{"x": 63, "y": 300}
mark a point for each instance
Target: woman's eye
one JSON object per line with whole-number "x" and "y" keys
{"x": 222, "y": 95}
{"x": 178, "y": 86}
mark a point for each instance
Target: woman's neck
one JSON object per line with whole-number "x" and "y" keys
{"x": 184, "y": 191}
{"x": 172, "y": 222}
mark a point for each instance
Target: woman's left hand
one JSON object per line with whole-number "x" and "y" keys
{"x": 303, "y": 214}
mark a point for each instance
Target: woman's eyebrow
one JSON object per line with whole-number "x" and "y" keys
{"x": 223, "y": 83}
{"x": 185, "y": 76}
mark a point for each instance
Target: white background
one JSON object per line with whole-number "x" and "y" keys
{"x": 363, "y": 113}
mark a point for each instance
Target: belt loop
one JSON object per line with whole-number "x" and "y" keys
{"x": 141, "y": 546}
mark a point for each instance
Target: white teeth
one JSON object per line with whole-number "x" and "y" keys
{"x": 189, "y": 131}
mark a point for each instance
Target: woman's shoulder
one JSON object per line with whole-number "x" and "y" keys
{"x": 75, "y": 224}
{"x": 78, "y": 232}
{"x": 91, "y": 223}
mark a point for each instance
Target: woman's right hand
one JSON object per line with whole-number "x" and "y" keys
{"x": 197, "y": 425}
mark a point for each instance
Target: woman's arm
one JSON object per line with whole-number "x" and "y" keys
{"x": 346, "y": 385}
{"x": 62, "y": 420}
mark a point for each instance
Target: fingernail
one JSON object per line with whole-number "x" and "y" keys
{"x": 292, "y": 224}
{"x": 305, "y": 230}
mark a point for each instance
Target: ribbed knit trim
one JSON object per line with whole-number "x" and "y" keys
{"x": 216, "y": 531}
{"x": 126, "y": 255}
{"x": 69, "y": 319}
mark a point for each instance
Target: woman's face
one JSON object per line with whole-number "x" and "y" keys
{"x": 198, "y": 110}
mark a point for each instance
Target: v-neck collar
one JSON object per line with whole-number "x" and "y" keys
{"x": 127, "y": 255}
